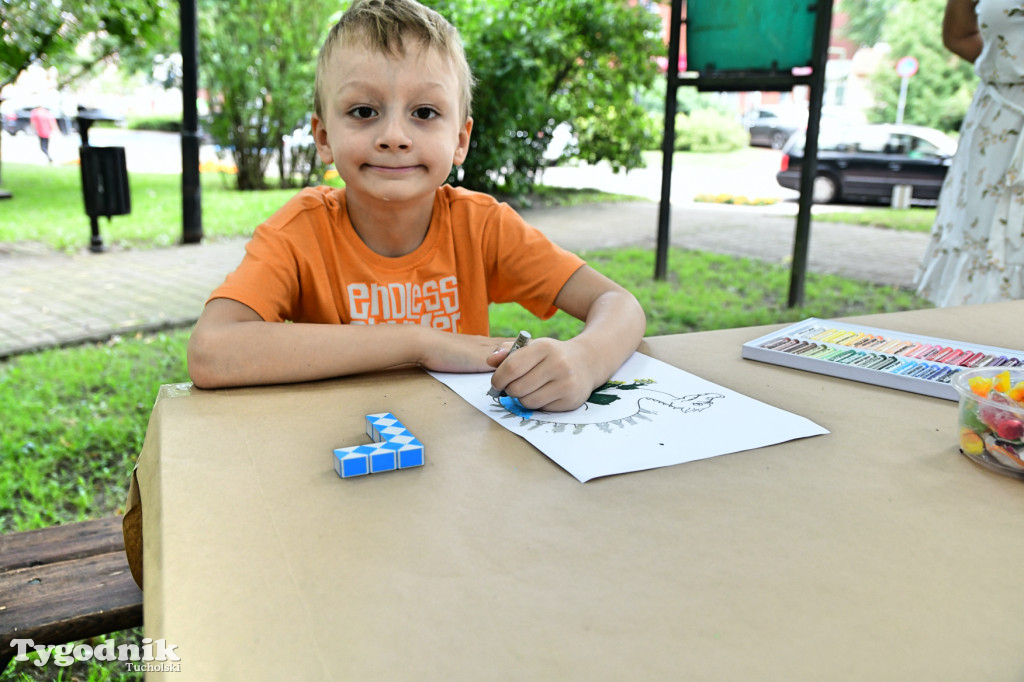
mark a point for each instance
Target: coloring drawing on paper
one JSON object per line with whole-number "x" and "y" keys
{"x": 615, "y": 405}
{"x": 649, "y": 414}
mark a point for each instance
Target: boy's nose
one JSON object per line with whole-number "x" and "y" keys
{"x": 393, "y": 136}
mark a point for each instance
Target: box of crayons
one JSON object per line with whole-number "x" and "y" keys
{"x": 908, "y": 362}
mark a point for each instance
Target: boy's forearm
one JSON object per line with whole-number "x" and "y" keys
{"x": 255, "y": 352}
{"x": 613, "y": 330}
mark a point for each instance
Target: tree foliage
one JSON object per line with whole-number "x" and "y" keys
{"x": 940, "y": 92}
{"x": 76, "y": 36}
{"x": 865, "y": 19}
{"x": 258, "y": 60}
{"x": 541, "y": 65}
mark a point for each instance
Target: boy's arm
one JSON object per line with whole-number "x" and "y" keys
{"x": 560, "y": 375}
{"x": 232, "y": 345}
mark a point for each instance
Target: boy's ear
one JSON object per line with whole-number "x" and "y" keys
{"x": 323, "y": 145}
{"x": 462, "y": 150}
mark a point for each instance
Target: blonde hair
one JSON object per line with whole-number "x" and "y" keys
{"x": 385, "y": 25}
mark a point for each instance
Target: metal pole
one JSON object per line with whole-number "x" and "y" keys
{"x": 902, "y": 104}
{"x": 801, "y": 242}
{"x": 668, "y": 141}
{"x": 191, "y": 191}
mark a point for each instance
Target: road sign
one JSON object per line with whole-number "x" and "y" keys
{"x": 906, "y": 67}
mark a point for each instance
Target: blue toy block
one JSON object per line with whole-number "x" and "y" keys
{"x": 393, "y": 447}
{"x": 410, "y": 455}
{"x": 349, "y": 463}
{"x": 383, "y": 459}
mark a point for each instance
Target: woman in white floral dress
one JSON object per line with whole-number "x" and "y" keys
{"x": 976, "y": 252}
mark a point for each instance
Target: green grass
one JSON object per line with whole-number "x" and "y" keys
{"x": 47, "y": 207}
{"x": 74, "y": 419}
{"x": 706, "y": 291}
{"x": 914, "y": 219}
{"x": 155, "y": 219}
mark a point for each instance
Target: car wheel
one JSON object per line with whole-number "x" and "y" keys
{"x": 826, "y": 189}
{"x": 779, "y": 139}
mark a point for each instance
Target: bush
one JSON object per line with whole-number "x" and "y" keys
{"x": 708, "y": 130}
{"x": 541, "y": 65}
{"x": 162, "y": 124}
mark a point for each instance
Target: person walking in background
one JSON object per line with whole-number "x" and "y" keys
{"x": 43, "y": 122}
{"x": 976, "y": 251}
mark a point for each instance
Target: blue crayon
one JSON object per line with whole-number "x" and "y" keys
{"x": 899, "y": 366}
{"x": 923, "y": 371}
{"x": 914, "y": 365}
{"x": 948, "y": 377}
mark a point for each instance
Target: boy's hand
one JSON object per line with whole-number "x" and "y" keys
{"x": 546, "y": 374}
{"x": 446, "y": 352}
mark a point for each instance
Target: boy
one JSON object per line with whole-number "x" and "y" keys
{"x": 392, "y": 112}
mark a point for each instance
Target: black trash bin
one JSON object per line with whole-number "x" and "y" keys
{"x": 104, "y": 187}
{"x": 104, "y": 176}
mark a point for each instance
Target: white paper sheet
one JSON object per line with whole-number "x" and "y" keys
{"x": 652, "y": 415}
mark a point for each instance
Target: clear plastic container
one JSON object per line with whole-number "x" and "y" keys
{"x": 992, "y": 417}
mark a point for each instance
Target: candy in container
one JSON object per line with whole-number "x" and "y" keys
{"x": 992, "y": 418}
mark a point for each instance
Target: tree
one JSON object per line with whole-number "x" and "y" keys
{"x": 75, "y": 37}
{"x": 940, "y": 92}
{"x": 865, "y": 19}
{"x": 258, "y": 60}
{"x": 537, "y": 65}
{"x": 541, "y": 65}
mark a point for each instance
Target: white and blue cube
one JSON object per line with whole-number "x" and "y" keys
{"x": 350, "y": 462}
{"x": 393, "y": 447}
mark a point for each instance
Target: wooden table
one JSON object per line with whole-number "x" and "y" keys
{"x": 877, "y": 552}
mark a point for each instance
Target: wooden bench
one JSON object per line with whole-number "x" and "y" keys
{"x": 65, "y": 583}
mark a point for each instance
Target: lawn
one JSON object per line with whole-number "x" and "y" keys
{"x": 75, "y": 418}
{"x": 915, "y": 219}
{"x": 35, "y": 214}
{"x": 48, "y": 208}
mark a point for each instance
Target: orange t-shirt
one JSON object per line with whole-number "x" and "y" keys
{"x": 307, "y": 264}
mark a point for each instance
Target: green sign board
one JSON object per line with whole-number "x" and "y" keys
{"x": 749, "y": 35}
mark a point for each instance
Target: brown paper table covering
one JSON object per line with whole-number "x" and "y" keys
{"x": 875, "y": 553}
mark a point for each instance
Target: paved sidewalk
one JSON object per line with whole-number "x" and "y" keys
{"x": 49, "y": 299}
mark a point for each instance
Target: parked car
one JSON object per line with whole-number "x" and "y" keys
{"x": 772, "y": 126}
{"x": 18, "y": 121}
{"x": 865, "y": 163}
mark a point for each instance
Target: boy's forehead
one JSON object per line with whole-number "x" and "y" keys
{"x": 354, "y": 61}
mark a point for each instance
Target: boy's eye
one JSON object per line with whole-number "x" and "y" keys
{"x": 362, "y": 112}
{"x": 424, "y": 113}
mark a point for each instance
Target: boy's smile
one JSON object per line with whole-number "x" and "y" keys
{"x": 392, "y": 124}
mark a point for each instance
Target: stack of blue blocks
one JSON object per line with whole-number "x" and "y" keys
{"x": 393, "y": 447}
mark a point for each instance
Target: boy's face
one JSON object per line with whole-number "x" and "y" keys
{"x": 391, "y": 124}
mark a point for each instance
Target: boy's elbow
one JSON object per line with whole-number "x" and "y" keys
{"x": 639, "y": 316}
{"x": 202, "y": 366}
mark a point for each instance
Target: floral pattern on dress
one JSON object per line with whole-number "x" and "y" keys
{"x": 976, "y": 250}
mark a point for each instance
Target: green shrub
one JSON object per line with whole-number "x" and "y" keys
{"x": 163, "y": 124}
{"x": 708, "y": 130}
{"x": 543, "y": 64}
